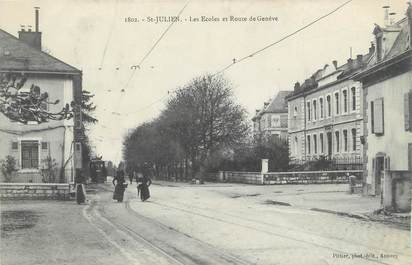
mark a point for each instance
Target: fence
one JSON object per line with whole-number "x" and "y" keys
{"x": 312, "y": 177}
{"x": 326, "y": 163}
{"x": 283, "y": 178}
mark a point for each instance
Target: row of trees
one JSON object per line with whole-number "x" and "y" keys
{"x": 202, "y": 129}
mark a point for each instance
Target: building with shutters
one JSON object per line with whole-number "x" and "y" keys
{"x": 272, "y": 119}
{"x": 32, "y": 143}
{"x": 325, "y": 114}
{"x": 387, "y": 95}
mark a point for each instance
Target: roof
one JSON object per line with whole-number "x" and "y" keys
{"x": 399, "y": 50}
{"x": 16, "y": 55}
{"x": 401, "y": 43}
{"x": 278, "y": 104}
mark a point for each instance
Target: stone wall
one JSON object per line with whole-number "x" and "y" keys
{"x": 31, "y": 191}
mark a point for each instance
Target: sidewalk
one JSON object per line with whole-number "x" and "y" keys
{"x": 326, "y": 198}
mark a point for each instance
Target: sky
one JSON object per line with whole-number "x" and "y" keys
{"x": 96, "y": 37}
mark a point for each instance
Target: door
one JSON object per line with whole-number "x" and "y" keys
{"x": 379, "y": 171}
{"x": 329, "y": 136}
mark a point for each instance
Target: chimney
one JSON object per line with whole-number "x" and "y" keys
{"x": 386, "y": 15}
{"x": 335, "y": 63}
{"x": 296, "y": 88}
{"x": 350, "y": 63}
{"x": 359, "y": 58}
{"x": 32, "y": 38}
{"x": 37, "y": 18}
{"x": 392, "y": 18}
{"x": 257, "y": 111}
{"x": 372, "y": 48}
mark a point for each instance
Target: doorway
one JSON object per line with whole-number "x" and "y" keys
{"x": 329, "y": 137}
{"x": 379, "y": 173}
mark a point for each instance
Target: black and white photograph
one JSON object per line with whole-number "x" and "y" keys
{"x": 205, "y": 132}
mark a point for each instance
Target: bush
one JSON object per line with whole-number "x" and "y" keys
{"x": 8, "y": 167}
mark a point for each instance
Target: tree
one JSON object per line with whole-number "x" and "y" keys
{"x": 200, "y": 121}
{"x": 26, "y": 106}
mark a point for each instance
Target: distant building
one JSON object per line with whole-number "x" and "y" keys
{"x": 325, "y": 113}
{"x": 272, "y": 120}
{"x": 30, "y": 144}
{"x": 387, "y": 94}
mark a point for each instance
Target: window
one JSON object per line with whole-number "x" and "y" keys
{"x": 337, "y": 103}
{"x": 372, "y": 110}
{"x": 308, "y": 110}
{"x": 315, "y": 144}
{"x": 44, "y": 145}
{"x": 14, "y": 145}
{"x": 345, "y": 101}
{"x": 353, "y": 91}
{"x": 408, "y": 111}
{"x": 329, "y": 105}
{"x": 345, "y": 140}
{"x": 353, "y": 139}
{"x": 377, "y": 116}
{"x": 321, "y": 143}
{"x": 29, "y": 154}
{"x": 315, "y": 110}
{"x": 337, "y": 141}
{"x": 379, "y": 48}
{"x": 296, "y": 146}
{"x": 295, "y": 112}
{"x": 308, "y": 144}
{"x": 321, "y": 107}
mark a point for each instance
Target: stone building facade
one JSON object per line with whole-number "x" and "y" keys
{"x": 387, "y": 94}
{"x": 325, "y": 113}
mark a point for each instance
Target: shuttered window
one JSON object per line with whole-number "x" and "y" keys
{"x": 353, "y": 139}
{"x": 321, "y": 143}
{"x": 14, "y": 145}
{"x": 337, "y": 142}
{"x": 345, "y": 140}
{"x": 378, "y": 116}
{"x": 408, "y": 111}
{"x": 29, "y": 154}
{"x": 315, "y": 144}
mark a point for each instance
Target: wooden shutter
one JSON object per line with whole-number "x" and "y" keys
{"x": 378, "y": 116}
{"x": 374, "y": 171}
{"x": 408, "y": 111}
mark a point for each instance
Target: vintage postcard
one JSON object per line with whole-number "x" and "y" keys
{"x": 205, "y": 132}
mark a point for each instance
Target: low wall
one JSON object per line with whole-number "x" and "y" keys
{"x": 31, "y": 191}
{"x": 241, "y": 177}
{"x": 301, "y": 177}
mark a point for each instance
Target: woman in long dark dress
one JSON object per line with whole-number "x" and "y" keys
{"x": 144, "y": 188}
{"x": 119, "y": 186}
{"x": 145, "y": 183}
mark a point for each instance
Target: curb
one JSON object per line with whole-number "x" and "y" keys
{"x": 352, "y": 215}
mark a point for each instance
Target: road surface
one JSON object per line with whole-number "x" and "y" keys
{"x": 197, "y": 224}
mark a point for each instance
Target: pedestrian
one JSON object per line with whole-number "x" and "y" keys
{"x": 143, "y": 187}
{"x": 119, "y": 186}
{"x": 79, "y": 182}
{"x": 131, "y": 177}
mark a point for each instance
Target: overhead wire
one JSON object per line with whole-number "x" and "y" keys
{"x": 110, "y": 34}
{"x": 267, "y": 46}
{"x": 139, "y": 65}
{"x": 235, "y": 61}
